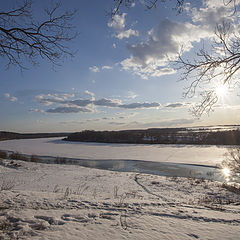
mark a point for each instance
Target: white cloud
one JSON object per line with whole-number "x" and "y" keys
{"x": 164, "y": 42}
{"x": 214, "y": 12}
{"x": 91, "y": 94}
{"x": 36, "y": 110}
{"x": 106, "y": 67}
{"x": 127, "y": 34}
{"x": 118, "y": 24}
{"x": 33, "y": 110}
{"x": 131, "y": 95}
{"x": 54, "y": 97}
{"x": 11, "y": 98}
{"x": 151, "y": 58}
{"x": 94, "y": 69}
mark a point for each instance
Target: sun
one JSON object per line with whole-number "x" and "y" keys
{"x": 221, "y": 90}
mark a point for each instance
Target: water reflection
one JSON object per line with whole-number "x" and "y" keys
{"x": 148, "y": 167}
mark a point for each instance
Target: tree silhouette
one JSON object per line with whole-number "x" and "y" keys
{"x": 219, "y": 63}
{"x": 22, "y": 37}
{"x": 149, "y": 4}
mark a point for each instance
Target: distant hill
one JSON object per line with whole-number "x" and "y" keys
{"x": 13, "y": 135}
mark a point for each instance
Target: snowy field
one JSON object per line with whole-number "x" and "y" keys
{"x": 48, "y": 201}
{"x": 70, "y": 202}
{"x": 205, "y": 155}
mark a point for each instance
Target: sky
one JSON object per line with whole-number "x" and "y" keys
{"x": 121, "y": 76}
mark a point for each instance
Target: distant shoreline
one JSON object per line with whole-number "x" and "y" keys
{"x": 187, "y": 136}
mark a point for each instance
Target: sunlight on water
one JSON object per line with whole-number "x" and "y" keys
{"x": 227, "y": 173}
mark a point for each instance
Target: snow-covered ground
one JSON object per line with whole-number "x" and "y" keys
{"x": 48, "y": 201}
{"x": 206, "y": 155}
{"x": 53, "y": 201}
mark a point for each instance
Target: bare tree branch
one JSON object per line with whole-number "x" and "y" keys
{"x": 220, "y": 65}
{"x": 22, "y": 38}
{"x": 149, "y": 4}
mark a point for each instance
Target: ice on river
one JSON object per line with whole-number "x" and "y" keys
{"x": 193, "y": 154}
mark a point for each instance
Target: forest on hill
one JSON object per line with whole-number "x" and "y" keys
{"x": 160, "y": 136}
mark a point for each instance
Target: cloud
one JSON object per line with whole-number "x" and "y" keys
{"x": 131, "y": 95}
{"x": 127, "y": 34}
{"x": 97, "y": 69}
{"x": 35, "y": 110}
{"x": 213, "y": 13}
{"x": 91, "y": 94}
{"x": 116, "y": 123}
{"x": 118, "y": 24}
{"x": 49, "y": 101}
{"x": 168, "y": 123}
{"x": 87, "y": 105}
{"x": 175, "y": 105}
{"x": 106, "y": 67}
{"x": 50, "y": 98}
{"x": 176, "y": 122}
{"x": 67, "y": 109}
{"x": 107, "y": 102}
{"x": 9, "y": 97}
{"x": 140, "y": 105}
{"x": 94, "y": 69}
{"x": 151, "y": 58}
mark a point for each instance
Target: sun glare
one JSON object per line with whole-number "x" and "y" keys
{"x": 226, "y": 172}
{"x": 221, "y": 90}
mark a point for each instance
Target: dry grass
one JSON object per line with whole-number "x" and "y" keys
{"x": 3, "y": 154}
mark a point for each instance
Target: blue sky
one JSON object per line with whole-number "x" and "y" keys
{"x": 120, "y": 77}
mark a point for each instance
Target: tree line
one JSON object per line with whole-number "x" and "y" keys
{"x": 159, "y": 136}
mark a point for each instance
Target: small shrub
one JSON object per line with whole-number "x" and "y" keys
{"x": 18, "y": 156}
{"x": 60, "y": 160}
{"x": 67, "y": 192}
{"x": 34, "y": 158}
{"x": 235, "y": 188}
{"x": 3, "y": 155}
{"x": 115, "y": 191}
{"x": 56, "y": 189}
{"x": 5, "y": 226}
{"x": 232, "y": 160}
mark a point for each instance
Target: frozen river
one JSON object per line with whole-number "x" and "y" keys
{"x": 190, "y": 154}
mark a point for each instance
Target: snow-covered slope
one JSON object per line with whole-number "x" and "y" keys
{"x": 48, "y": 201}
